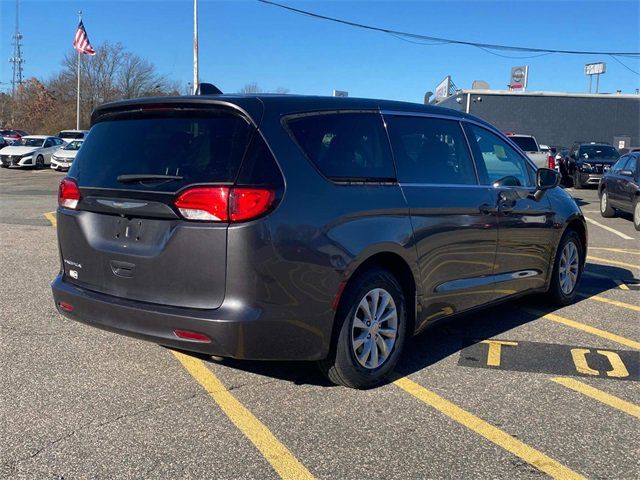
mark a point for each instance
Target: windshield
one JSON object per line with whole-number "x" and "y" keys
{"x": 75, "y": 145}
{"x": 526, "y": 144}
{"x": 598, "y": 152}
{"x": 198, "y": 146}
{"x": 71, "y": 135}
{"x": 31, "y": 142}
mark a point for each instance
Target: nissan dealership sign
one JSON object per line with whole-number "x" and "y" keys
{"x": 519, "y": 77}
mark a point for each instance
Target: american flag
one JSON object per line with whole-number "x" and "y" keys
{"x": 81, "y": 42}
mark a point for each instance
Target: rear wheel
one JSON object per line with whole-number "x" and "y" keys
{"x": 636, "y": 213}
{"x": 606, "y": 210}
{"x": 40, "y": 162}
{"x": 567, "y": 269}
{"x": 372, "y": 329}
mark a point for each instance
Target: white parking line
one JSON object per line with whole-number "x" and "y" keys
{"x": 609, "y": 229}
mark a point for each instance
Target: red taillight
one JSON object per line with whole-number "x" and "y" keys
{"x": 222, "y": 204}
{"x": 247, "y": 203}
{"x": 68, "y": 193}
{"x": 552, "y": 162}
{"x": 204, "y": 203}
{"x": 67, "y": 307}
{"x": 193, "y": 336}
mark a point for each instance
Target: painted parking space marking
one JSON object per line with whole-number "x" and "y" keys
{"x": 281, "y": 459}
{"x": 629, "y": 251}
{"x": 627, "y": 342}
{"x": 608, "y": 229}
{"x": 612, "y": 262}
{"x": 552, "y": 358}
{"x": 598, "y": 298}
{"x": 51, "y": 216}
{"x": 619, "y": 283}
{"x": 499, "y": 437}
{"x": 599, "y": 395}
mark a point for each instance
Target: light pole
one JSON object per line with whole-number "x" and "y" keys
{"x": 195, "y": 46}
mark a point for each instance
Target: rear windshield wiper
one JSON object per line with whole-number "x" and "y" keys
{"x": 142, "y": 177}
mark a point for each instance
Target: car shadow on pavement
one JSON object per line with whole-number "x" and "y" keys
{"x": 447, "y": 337}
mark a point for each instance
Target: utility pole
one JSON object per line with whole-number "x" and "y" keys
{"x": 16, "y": 60}
{"x": 195, "y": 46}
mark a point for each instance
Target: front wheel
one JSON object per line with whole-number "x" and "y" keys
{"x": 636, "y": 213}
{"x": 567, "y": 269}
{"x": 40, "y": 162}
{"x": 606, "y": 210}
{"x": 372, "y": 329}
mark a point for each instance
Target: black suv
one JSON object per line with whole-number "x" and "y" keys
{"x": 306, "y": 228}
{"x": 619, "y": 188}
{"x": 588, "y": 161}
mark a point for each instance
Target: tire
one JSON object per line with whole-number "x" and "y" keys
{"x": 39, "y": 162}
{"x": 577, "y": 183}
{"x": 343, "y": 366}
{"x": 606, "y": 210}
{"x": 558, "y": 291}
{"x": 636, "y": 213}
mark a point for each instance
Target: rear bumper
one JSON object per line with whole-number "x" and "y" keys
{"x": 236, "y": 330}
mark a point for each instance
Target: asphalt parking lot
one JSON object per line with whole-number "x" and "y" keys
{"x": 517, "y": 391}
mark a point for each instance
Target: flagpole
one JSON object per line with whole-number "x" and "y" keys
{"x": 195, "y": 46}
{"x": 78, "y": 90}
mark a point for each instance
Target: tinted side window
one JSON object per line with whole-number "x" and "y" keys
{"x": 430, "y": 150}
{"x": 632, "y": 165}
{"x": 259, "y": 167}
{"x": 345, "y": 145}
{"x": 502, "y": 164}
{"x": 48, "y": 143}
{"x": 619, "y": 165}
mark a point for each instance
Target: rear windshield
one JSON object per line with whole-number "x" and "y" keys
{"x": 198, "y": 146}
{"x": 526, "y": 144}
{"x": 598, "y": 151}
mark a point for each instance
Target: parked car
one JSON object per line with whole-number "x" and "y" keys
{"x": 619, "y": 188}
{"x": 529, "y": 145}
{"x": 588, "y": 161}
{"x": 281, "y": 227}
{"x": 68, "y": 135}
{"x": 32, "y": 150}
{"x": 64, "y": 156}
{"x": 12, "y": 135}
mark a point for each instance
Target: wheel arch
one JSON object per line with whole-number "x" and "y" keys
{"x": 398, "y": 266}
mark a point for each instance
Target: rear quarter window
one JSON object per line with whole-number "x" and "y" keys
{"x": 345, "y": 146}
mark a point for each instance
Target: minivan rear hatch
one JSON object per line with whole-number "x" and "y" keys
{"x": 126, "y": 237}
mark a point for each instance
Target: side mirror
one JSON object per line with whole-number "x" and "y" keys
{"x": 626, "y": 173}
{"x": 546, "y": 179}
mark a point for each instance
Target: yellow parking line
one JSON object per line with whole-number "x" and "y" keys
{"x": 280, "y": 458}
{"x": 613, "y": 262}
{"x": 629, "y": 306}
{"x": 51, "y": 216}
{"x": 599, "y": 395}
{"x": 621, "y": 285}
{"x": 617, "y": 250}
{"x": 499, "y": 437}
{"x": 592, "y": 330}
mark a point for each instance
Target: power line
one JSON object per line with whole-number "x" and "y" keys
{"x": 416, "y": 36}
{"x": 624, "y": 65}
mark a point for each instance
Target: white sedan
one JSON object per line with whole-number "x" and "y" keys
{"x": 30, "y": 151}
{"x": 63, "y": 157}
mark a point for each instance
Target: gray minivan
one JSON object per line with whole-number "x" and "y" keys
{"x": 281, "y": 227}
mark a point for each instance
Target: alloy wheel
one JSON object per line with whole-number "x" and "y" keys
{"x": 569, "y": 267}
{"x": 375, "y": 328}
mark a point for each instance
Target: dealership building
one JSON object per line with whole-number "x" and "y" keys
{"x": 555, "y": 118}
